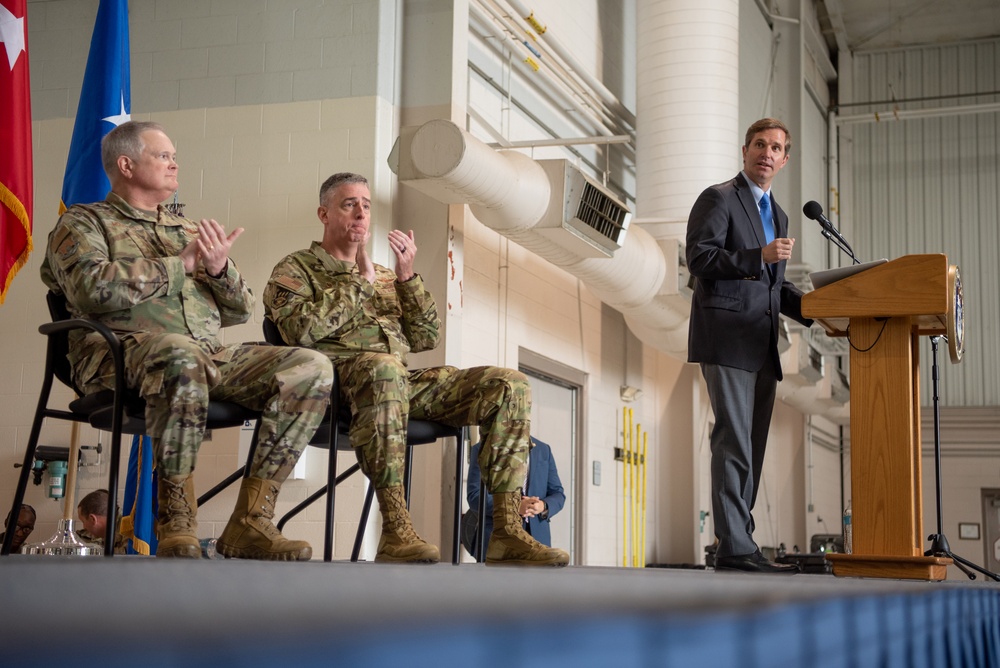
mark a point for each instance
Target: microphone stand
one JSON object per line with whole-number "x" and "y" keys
{"x": 842, "y": 245}
{"x": 939, "y": 542}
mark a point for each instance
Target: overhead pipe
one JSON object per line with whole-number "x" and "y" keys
{"x": 911, "y": 114}
{"x": 550, "y": 41}
{"x": 558, "y": 94}
{"x": 516, "y": 33}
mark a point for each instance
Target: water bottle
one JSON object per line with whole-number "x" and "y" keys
{"x": 208, "y": 550}
{"x": 848, "y": 530}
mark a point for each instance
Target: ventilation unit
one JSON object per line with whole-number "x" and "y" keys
{"x": 583, "y": 216}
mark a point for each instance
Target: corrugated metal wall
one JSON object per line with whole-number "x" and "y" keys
{"x": 932, "y": 184}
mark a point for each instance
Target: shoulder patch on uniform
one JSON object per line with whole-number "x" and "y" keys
{"x": 280, "y": 299}
{"x": 290, "y": 283}
{"x": 63, "y": 244}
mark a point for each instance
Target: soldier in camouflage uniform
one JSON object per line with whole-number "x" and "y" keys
{"x": 166, "y": 285}
{"x": 367, "y": 318}
{"x": 93, "y": 514}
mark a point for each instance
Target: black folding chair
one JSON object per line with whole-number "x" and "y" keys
{"x": 120, "y": 411}
{"x": 419, "y": 432}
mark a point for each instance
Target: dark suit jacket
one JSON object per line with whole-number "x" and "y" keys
{"x": 543, "y": 482}
{"x": 736, "y": 301}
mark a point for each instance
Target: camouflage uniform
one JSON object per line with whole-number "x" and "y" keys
{"x": 368, "y": 330}
{"x": 120, "y": 265}
{"x": 121, "y": 542}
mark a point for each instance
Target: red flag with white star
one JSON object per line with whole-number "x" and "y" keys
{"x": 15, "y": 142}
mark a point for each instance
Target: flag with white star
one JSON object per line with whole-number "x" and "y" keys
{"x": 105, "y": 103}
{"x": 15, "y": 142}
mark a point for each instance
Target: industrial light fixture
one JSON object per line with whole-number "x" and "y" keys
{"x": 630, "y": 393}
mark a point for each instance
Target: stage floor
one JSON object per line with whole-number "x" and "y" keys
{"x": 149, "y": 612}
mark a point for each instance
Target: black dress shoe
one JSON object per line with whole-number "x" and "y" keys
{"x": 753, "y": 563}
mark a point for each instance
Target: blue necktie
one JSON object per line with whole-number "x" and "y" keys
{"x": 765, "y": 217}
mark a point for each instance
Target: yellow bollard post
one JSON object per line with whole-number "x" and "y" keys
{"x": 645, "y": 463}
{"x": 624, "y": 479}
{"x": 635, "y": 498}
{"x": 630, "y": 459}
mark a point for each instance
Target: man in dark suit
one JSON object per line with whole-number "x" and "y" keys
{"x": 543, "y": 496}
{"x": 737, "y": 246}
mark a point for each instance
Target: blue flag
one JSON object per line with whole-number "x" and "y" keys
{"x": 105, "y": 103}
{"x": 140, "y": 498}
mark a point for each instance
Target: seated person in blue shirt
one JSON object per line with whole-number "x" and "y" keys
{"x": 543, "y": 495}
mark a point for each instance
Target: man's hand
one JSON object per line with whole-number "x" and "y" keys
{"x": 531, "y": 506}
{"x": 365, "y": 265}
{"x": 405, "y": 249}
{"x": 777, "y": 250}
{"x": 210, "y": 249}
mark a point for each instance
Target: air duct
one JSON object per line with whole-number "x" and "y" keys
{"x": 560, "y": 214}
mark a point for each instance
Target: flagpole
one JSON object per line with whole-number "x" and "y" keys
{"x": 64, "y": 542}
{"x": 74, "y": 463}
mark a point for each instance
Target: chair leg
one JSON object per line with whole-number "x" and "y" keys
{"x": 456, "y": 557}
{"x": 252, "y": 452}
{"x": 456, "y": 543}
{"x": 241, "y": 472}
{"x": 331, "y": 478}
{"x": 238, "y": 474}
{"x": 29, "y": 454}
{"x": 15, "y": 508}
{"x": 365, "y": 511}
{"x": 29, "y": 459}
{"x": 481, "y": 529}
{"x": 330, "y": 489}
{"x": 114, "y": 461}
{"x": 308, "y": 501}
{"x": 407, "y": 473}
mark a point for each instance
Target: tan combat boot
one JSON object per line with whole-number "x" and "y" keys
{"x": 250, "y": 533}
{"x": 177, "y": 528}
{"x": 511, "y": 544}
{"x": 399, "y": 542}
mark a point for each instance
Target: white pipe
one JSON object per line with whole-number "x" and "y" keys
{"x": 833, "y": 177}
{"x": 911, "y": 114}
{"x": 558, "y": 93}
{"x": 549, "y": 40}
{"x": 558, "y": 70}
{"x": 575, "y": 141}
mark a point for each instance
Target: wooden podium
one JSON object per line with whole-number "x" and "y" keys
{"x": 883, "y": 311}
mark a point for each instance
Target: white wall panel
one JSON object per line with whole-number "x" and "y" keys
{"x": 930, "y": 185}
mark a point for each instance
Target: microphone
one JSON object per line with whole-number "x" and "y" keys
{"x": 814, "y": 211}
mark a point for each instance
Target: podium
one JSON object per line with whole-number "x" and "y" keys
{"x": 883, "y": 311}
